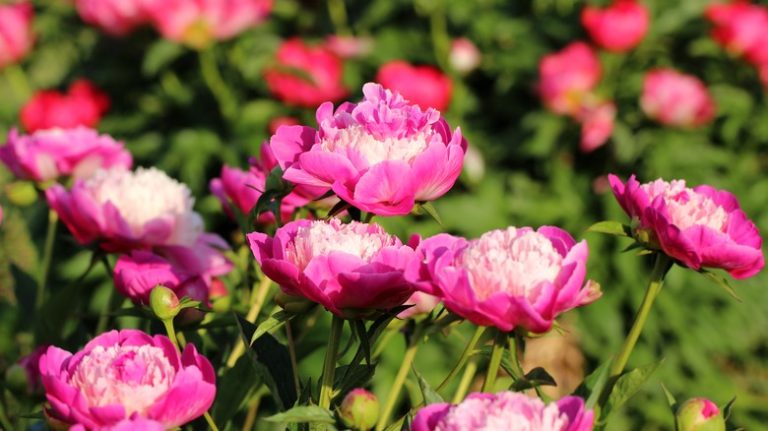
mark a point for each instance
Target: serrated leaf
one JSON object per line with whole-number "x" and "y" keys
{"x": 534, "y": 378}
{"x": 430, "y": 395}
{"x": 627, "y": 386}
{"x": 611, "y": 227}
{"x": 721, "y": 282}
{"x": 313, "y": 414}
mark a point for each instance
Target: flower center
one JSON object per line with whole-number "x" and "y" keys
{"x": 510, "y": 261}
{"x": 687, "y": 208}
{"x": 355, "y": 142}
{"x": 508, "y": 411}
{"x": 131, "y": 376}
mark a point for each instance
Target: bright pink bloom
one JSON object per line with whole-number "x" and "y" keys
{"x": 422, "y": 303}
{"x": 133, "y": 424}
{"x": 425, "y": 86}
{"x": 506, "y": 278}
{"x": 381, "y": 155}
{"x": 567, "y": 77}
{"x": 127, "y": 374}
{"x": 278, "y": 122}
{"x": 114, "y": 17}
{"x": 306, "y": 75}
{"x": 125, "y": 210}
{"x": 596, "y": 125}
{"x": 740, "y": 27}
{"x": 348, "y": 268}
{"x": 51, "y": 154}
{"x": 700, "y": 227}
{"x": 505, "y": 410}
{"x": 198, "y": 23}
{"x": 464, "y": 56}
{"x": 16, "y": 38}
{"x": 676, "y": 99}
{"x": 83, "y": 105}
{"x": 349, "y": 46}
{"x": 618, "y": 27}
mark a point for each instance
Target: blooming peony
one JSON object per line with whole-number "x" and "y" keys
{"x": 381, "y": 155}
{"x": 350, "y": 268}
{"x": 114, "y": 17}
{"x": 127, "y": 374}
{"x": 83, "y": 105}
{"x": 16, "y": 36}
{"x": 700, "y": 227}
{"x": 425, "y": 86}
{"x": 596, "y": 125}
{"x": 676, "y": 99}
{"x": 51, "y": 154}
{"x": 125, "y": 210}
{"x": 567, "y": 77}
{"x": 515, "y": 277}
{"x": 505, "y": 411}
{"x": 739, "y": 26}
{"x": 618, "y": 27}
{"x": 306, "y": 75}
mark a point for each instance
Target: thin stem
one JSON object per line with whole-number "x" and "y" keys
{"x": 217, "y": 85}
{"x": 402, "y": 374}
{"x": 466, "y": 380}
{"x": 250, "y": 416}
{"x": 209, "y": 419}
{"x": 253, "y": 313}
{"x": 392, "y": 329}
{"x": 338, "y": 14}
{"x": 50, "y": 236}
{"x": 101, "y": 326}
{"x": 329, "y": 366}
{"x": 292, "y": 355}
{"x": 499, "y": 343}
{"x": 169, "y": 329}
{"x": 464, "y": 357}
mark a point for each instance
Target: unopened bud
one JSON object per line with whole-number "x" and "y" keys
{"x": 164, "y": 303}
{"x": 464, "y": 56}
{"x": 699, "y": 414}
{"x": 359, "y": 410}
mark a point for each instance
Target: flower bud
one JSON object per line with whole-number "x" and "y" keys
{"x": 359, "y": 410}
{"x": 699, "y": 414}
{"x": 464, "y": 56}
{"x": 164, "y": 303}
{"x": 21, "y": 193}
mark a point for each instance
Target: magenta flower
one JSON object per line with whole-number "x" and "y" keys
{"x": 344, "y": 267}
{"x": 567, "y": 77}
{"x": 381, "y": 155}
{"x": 739, "y": 27}
{"x": 596, "y": 125}
{"x": 676, "y": 99}
{"x": 134, "y": 424}
{"x": 700, "y": 227}
{"x": 505, "y": 410}
{"x": 425, "y": 86}
{"x": 127, "y": 374}
{"x": 114, "y": 17}
{"x": 506, "y": 278}
{"x": 618, "y": 27}
{"x": 16, "y": 37}
{"x": 51, "y": 154}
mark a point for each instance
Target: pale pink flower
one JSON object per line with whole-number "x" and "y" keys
{"x": 127, "y": 374}
{"x": 51, "y": 154}
{"x": 619, "y": 27}
{"x": 421, "y": 303}
{"x": 114, "y": 17}
{"x": 425, "y": 86}
{"x": 567, "y": 77}
{"x": 381, "y": 155}
{"x": 596, "y": 125}
{"x": 16, "y": 37}
{"x": 508, "y": 411}
{"x": 464, "y": 55}
{"x": 700, "y": 226}
{"x": 349, "y": 46}
{"x": 676, "y": 99}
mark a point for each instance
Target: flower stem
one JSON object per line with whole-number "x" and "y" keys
{"x": 253, "y": 313}
{"x": 402, "y": 374}
{"x": 45, "y": 265}
{"x": 338, "y": 14}
{"x": 217, "y": 85}
{"x": 329, "y": 366}
{"x": 210, "y": 421}
{"x": 499, "y": 343}
{"x": 466, "y": 380}
{"x": 101, "y": 326}
{"x": 292, "y": 355}
{"x": 464, "y": 357}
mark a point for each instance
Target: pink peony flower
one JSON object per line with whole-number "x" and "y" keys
{"x": 596, "y": 125}
{"x": 127, "y": 374}
{"x": 567, "y": 77}
{"x": 124, "y": 210}
{"x": 83, "y": 105}
{"x": 348, "y": 268}
{"x": 16, "y": 38}
{"x": 700, "y": 227}
{"x": 740, "y": 28}
{"x": 618, "y": 27}
{"x": 198, "y": 23}
{"x": 421, "y": 302}
{"x": 51, "y": 154}
{"x": 381, "y": 155}
{"x": 30, "y": 364}
{"x": 134, "y": 424}
{"x": 506, "y": 278}
{"x": 278, "y": 122}
{"x": 464, "y": 55}
{"x": 505, "y": 410}
{"x": 425, "y": 86}
{"x": 676, "y": 99}
{"x": 114, "y": 17}
{"x": 349, "y": 46}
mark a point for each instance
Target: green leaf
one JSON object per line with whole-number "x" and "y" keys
{"x": 627, "y": 386}
{"x": 592, "y": 386}
{"x": 728, "y": 408}
{"x": 358, "y": 327}
{"x": 313, "y": 414}
{"x": 160, "y": 54}
{"x": 233, "y": 389}
{"x": 349, "y": 377}
{"x": 534, "y": 378}
{"x": 670, "y": 398}
{"x": 271, "y": 323}
{"x": 722, "y": 282}
{"x": 611, "y": 228}
{"x": 432, "y": 211}
{"x": 429, "y": 394}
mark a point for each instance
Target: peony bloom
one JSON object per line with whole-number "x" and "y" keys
{"x": 127, "y": 374}
{"x": 506, "y": 278}
{"x": 278, "y": 122}
{"x": 596, "y": 125}
{"x": 421, "y": 303}
{"x": 348, "y": 268}
{"x": 676, "y": 99}
{"x": 618, "y": 27}
{"x": 349, "y": 46}
{"x": 700, "y": 227}
{"x": 567, "y": 78}
{"x": 16, "y": 36}
{"x": 425, "y": 86}
{"x": 306, "y": 75}
{"x": 740, "y": 28}
{"x": 464, "y": 56}
{"x": 51, "y": 154}
{"x": 198, "y": 23}
{"x": 124, "y": 210}
{"x": 83, "y": 105}
{"x": 114, "y": 17}
{"x": 505, "y": 410}
{"x": 133, "y": 424}
{"x": 381, "y": 155}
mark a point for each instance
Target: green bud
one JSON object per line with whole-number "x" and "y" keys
{"x": 16, "y": 379}
{"x": 359, "y": 410}
{"x": 21, "y": 193}
{"x": 164, "y": 303}
{"x": 699, "y": 414}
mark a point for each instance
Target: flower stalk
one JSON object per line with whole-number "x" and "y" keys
{"x": 499, "y": 344}
{"x": 329, "y": 366}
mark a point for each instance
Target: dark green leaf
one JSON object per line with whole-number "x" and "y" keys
{"x": 534, "y": 378}
{"x": 728, "y": 408}
{"x": 271, "y": 323}
{"x": 233, "y": 388}
{"x": 627, "y": 386}
{"x": 160, "y": 54}
{"x": 429, "y": 394}
{"x": 349, "y": 377}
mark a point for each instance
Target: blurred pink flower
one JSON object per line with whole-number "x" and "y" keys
{"x": 349, "y": 46}
{"x": 124, "y": 210}
{"x": 464, "y": 55}
{"x": 127, "y": 374}
{"x": 114, "y": 17}
{"x": 567, "y": 77}
{"x": 504, "y": 410}
{"x": 700, "y": 227}
{"x": 16, "y": 37}
{"x": 618, "y": 27}
{"x": 381, "y": 155}
{"x": 676, "y": 99}
{"x": 351, "y": 269}
{"x": 596, "y": 125}
{"x": 510, "y": 278}
{"x": 198, "y": 23}
{"x": 425, "y": 86}
{"x": 740, "y": 27}
{"x": 305, "y": 75}
{"x": 83, "y": 105}
{"x": 54, "y": 153}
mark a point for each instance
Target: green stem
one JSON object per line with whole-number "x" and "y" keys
{"x": 292, "y": 355}
{"x": 402, "y": 374}
{"x": 210, "y": 421}
{"x": 329, "y": 366}
{"x": 45, "y": 265}
{"x": 171, "y": 331}
{"x": 439, "y": 32}
{"x": 19, "y": 82}
{"x": 253, "y": 313}
{"x": 101, "y": 326}
{"x": 499, "y": 343}
{"x": 217, "y": 85}
{"x": 338, "y": 14}
{"x": 466, "y": 380}
{"x": 468, "y": 351}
